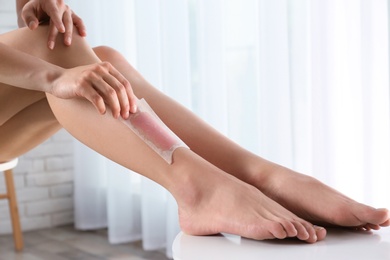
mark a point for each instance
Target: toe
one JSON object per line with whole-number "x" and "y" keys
{"x": 320, "y": 232}
{"x": 374, "y": 216}
{"x": 372, "y": 226}
{"x": 261, "y": 231}
{"x": 276, "y": 229}
{"x": 312, "y": 233}
{"x": 386, "y": 223}
{"x": 289, "y": 228}
{"x": 301, "y": 229}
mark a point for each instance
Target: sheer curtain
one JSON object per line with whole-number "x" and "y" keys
{"x": 304, "y": 83}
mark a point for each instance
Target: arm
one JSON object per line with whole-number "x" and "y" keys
{"x": 99, "y": 83}
{"x": 25, "y": 71}
{"x": 19, "y": 7}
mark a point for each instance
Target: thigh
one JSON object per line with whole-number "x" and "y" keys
{"x": 31, "y": 42}
{"x": 25, "y": 117}
{"x": 13, "y": 100}
{"x": 27, "y": 129}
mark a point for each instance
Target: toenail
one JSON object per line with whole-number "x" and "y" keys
{"x": 318, "y": 227}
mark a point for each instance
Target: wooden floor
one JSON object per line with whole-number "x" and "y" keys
{"x": 65, "y": 243}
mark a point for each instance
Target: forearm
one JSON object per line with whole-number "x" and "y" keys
{"x": 19, "y": 7}
{"x": 25, "y": 71}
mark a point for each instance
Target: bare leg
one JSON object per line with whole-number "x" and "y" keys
{"x": 210, "y": 200}
{"x": 320, "y": 203}
{"x": 303, "y": 195}
{"x": 25, "y": 121}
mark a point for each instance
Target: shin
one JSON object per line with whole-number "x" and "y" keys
{"x": 147, "y": 126}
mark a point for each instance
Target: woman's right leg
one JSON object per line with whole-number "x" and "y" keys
{"x": 210, "y": 200}
{"x": 301, "y": 194}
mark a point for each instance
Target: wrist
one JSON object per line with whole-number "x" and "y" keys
{"x": 51, "y": 79}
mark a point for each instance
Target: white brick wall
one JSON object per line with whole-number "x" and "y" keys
{"x": 44, "y": 176}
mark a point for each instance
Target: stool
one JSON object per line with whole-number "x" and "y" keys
{"x": 13, "y": 206}
{"x": 339, "y": 244}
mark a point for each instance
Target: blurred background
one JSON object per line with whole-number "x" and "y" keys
{"x": 304, "y": 83}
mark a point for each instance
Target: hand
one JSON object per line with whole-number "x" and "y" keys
{"x": 99, "y": 83}
{"x": 61, "y": 18}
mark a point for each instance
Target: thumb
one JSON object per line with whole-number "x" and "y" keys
{"x": 29, "y": 17}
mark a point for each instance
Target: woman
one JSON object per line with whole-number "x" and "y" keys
{"x": 219, "y": 186}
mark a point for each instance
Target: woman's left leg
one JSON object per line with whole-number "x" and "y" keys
{"x": 27, "y": 129}
{"x": 26, "y": 120}
{"x": 303, "y": 195}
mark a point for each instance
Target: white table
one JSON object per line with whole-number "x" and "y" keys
{"x": 339, "y": 244}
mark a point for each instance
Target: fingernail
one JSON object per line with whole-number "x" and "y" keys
{"x": 68, "y": 40}
{"x": 134, "y": 108}
{"x": 51, "y": 45}
{"x": 318, "y": 227}
{"x": 117, "y": 115}
{"x": 31, "y": 25}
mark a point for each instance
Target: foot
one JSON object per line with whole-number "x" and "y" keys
{"x": 313, "y": 201}
{"x": 215, "y": 202}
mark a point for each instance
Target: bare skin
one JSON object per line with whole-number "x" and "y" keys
{"x": 246, "y": 211}
{"x": 272, "y": 179}
{"x": 318, "y": 202}
{"x": 200, "y": 185}
{"x": 315, "y": 201}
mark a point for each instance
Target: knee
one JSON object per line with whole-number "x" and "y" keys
{"x": 113, "y": 56}
{"x": 35, "y": 43}
{"x": 104, "y": 50}
{"x": 106, "y": 53}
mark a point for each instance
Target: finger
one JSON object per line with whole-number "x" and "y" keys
{"x": 128, "y": 95}
{"x": 56, "y": 17}
{"x": 68, "y": 27}
{"x": 94, "y": 97}
{"x": 78, "y": 22}
{"x": 32, "y": 23}
{"x": 53, "y": 32}
{"x": 109, "y": 95}
{"x": 121, "y": 94}
{"x": 132, "y": 98}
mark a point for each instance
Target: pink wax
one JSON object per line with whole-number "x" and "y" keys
{"x": 152, "y": 130}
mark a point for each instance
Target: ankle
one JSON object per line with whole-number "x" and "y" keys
{"x": 193, "y": 179}
{"x": 257, "y": 171}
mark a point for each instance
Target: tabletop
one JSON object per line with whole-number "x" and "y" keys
{"x": 339, "y": 244}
